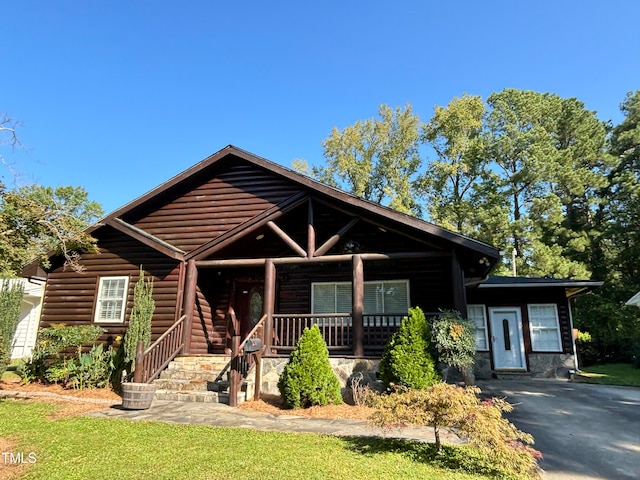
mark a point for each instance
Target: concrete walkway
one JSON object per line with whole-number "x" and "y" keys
{"x": 219, "y": 415}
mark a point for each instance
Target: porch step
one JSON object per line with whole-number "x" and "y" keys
{"x": 188, "y": 396}
{"x": 199, "y": 379}
{"x": 506, "y": 375}
{"x": 205, "y": 396}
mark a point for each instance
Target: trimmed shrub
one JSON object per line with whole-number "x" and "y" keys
{"x": 406, "y": 360}
{"x": 10, "y": 301}
{"x": 308, "y": 378}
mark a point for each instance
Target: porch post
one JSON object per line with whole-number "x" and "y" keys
{"x": 269, "y": 302}
{"x": 311, "y": 232}
{"x": 357, "y": 310}
{"x": 189, "y": 301}
{"x": 457, "y": 286}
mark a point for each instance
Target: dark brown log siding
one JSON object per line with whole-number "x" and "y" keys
{"x": 201, "y": 212}
{"x": 428, "y": 282}
{"x": 70, "y": 297}
{"x": 209, "y": 333}
{"x": 521, "y": 297}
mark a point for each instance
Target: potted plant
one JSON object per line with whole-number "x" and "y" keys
{"x": 137, "y": 395}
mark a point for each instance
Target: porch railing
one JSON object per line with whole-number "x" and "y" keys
{"x": 244, "y": 359}
{"x": 150, "y": 362}
{"x": 336, "y": 329}
{"x": 378, "y": 329}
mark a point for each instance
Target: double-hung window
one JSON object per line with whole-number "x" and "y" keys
{"x": 111, "y": 300}
{"x": 477, "y": 314}
{"x": 380, "y": 297}
{"x": 544, "y": 327}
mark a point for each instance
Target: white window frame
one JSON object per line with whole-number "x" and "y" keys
{"x": 533, "y": 328}
{"x": 99, "y": 300}
{"x": 482, "y": 328}
{"x": 313, "y": 284}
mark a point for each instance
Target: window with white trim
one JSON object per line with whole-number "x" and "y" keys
{"x": 111, "y": 301}
{"x": 379, "y": 297}
{"x": 544, "y": 326}
{"x": 477, "y": 314}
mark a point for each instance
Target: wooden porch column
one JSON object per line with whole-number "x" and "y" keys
{"x": 357, "y": 310}
{"x": 311, "y": 233}
{"x": 269, "y": 302}
{"x": 457, "y": 286}
{"x": 189, "y": 301}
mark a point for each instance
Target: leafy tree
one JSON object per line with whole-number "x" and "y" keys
{"x": 615, "y": 256}
{"x": 549, "y": 153}
{"x": 455, "y": 133}
{"x": 521, "y": 147}
{"x": 36, "y": 221}
{"x": 376, "y": 159}
{"x": 308, "y": 379}
{"x": 10, "y": 301}
{"x": 406, "y": 360}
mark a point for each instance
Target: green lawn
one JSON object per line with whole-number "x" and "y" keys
{"x": 612, "y": 374}
{"x": 83, "y": 447}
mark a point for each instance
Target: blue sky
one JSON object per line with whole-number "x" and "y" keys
{"x": 120, "y": 96}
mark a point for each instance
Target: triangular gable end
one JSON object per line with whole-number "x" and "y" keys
{"x": 238, "y": 181}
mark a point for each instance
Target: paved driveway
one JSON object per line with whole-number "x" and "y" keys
{"x": 583, "y": 431}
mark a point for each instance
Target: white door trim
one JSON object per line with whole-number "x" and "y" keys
{"x": 502, "y": 360}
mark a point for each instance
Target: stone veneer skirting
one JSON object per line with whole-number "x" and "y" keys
{"x": 344, "y": 368}
{"x": 541, "y": 365}
{"x": 554, "y": 365}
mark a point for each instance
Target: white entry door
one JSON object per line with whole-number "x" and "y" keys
{"x": 506, "y": 338}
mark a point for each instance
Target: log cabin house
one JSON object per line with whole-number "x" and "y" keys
{"x": 246, "y": 253}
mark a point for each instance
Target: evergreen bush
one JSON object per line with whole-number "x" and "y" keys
{"x": 10, "y": 301}
{"x": 406, "y": 360}
{"x": 139, "y": 328}
{"x": 308, "y": 378}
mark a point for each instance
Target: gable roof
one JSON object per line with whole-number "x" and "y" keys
{"x": 572, "y": 287}
{"x": 634, "y": 301}
{"x": 484, "y": 256}
{"x": 314, "y": 186}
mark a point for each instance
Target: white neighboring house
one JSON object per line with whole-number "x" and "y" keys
{"x": 635, "y": 300}
{"x": 25, "y": 338}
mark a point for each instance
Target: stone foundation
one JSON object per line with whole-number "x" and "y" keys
{"x": 482, "y": 367}
{"x": 344, "y": 368}
{"x": 551, "y": 365}
{"x": 542, "y": 365}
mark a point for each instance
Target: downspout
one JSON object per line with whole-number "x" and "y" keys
{"x": 573, "y": 340}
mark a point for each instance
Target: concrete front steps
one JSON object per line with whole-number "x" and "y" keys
{"x": 202, "y": 378}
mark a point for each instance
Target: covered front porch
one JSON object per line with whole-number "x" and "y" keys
{"x": 275, "y": 299}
